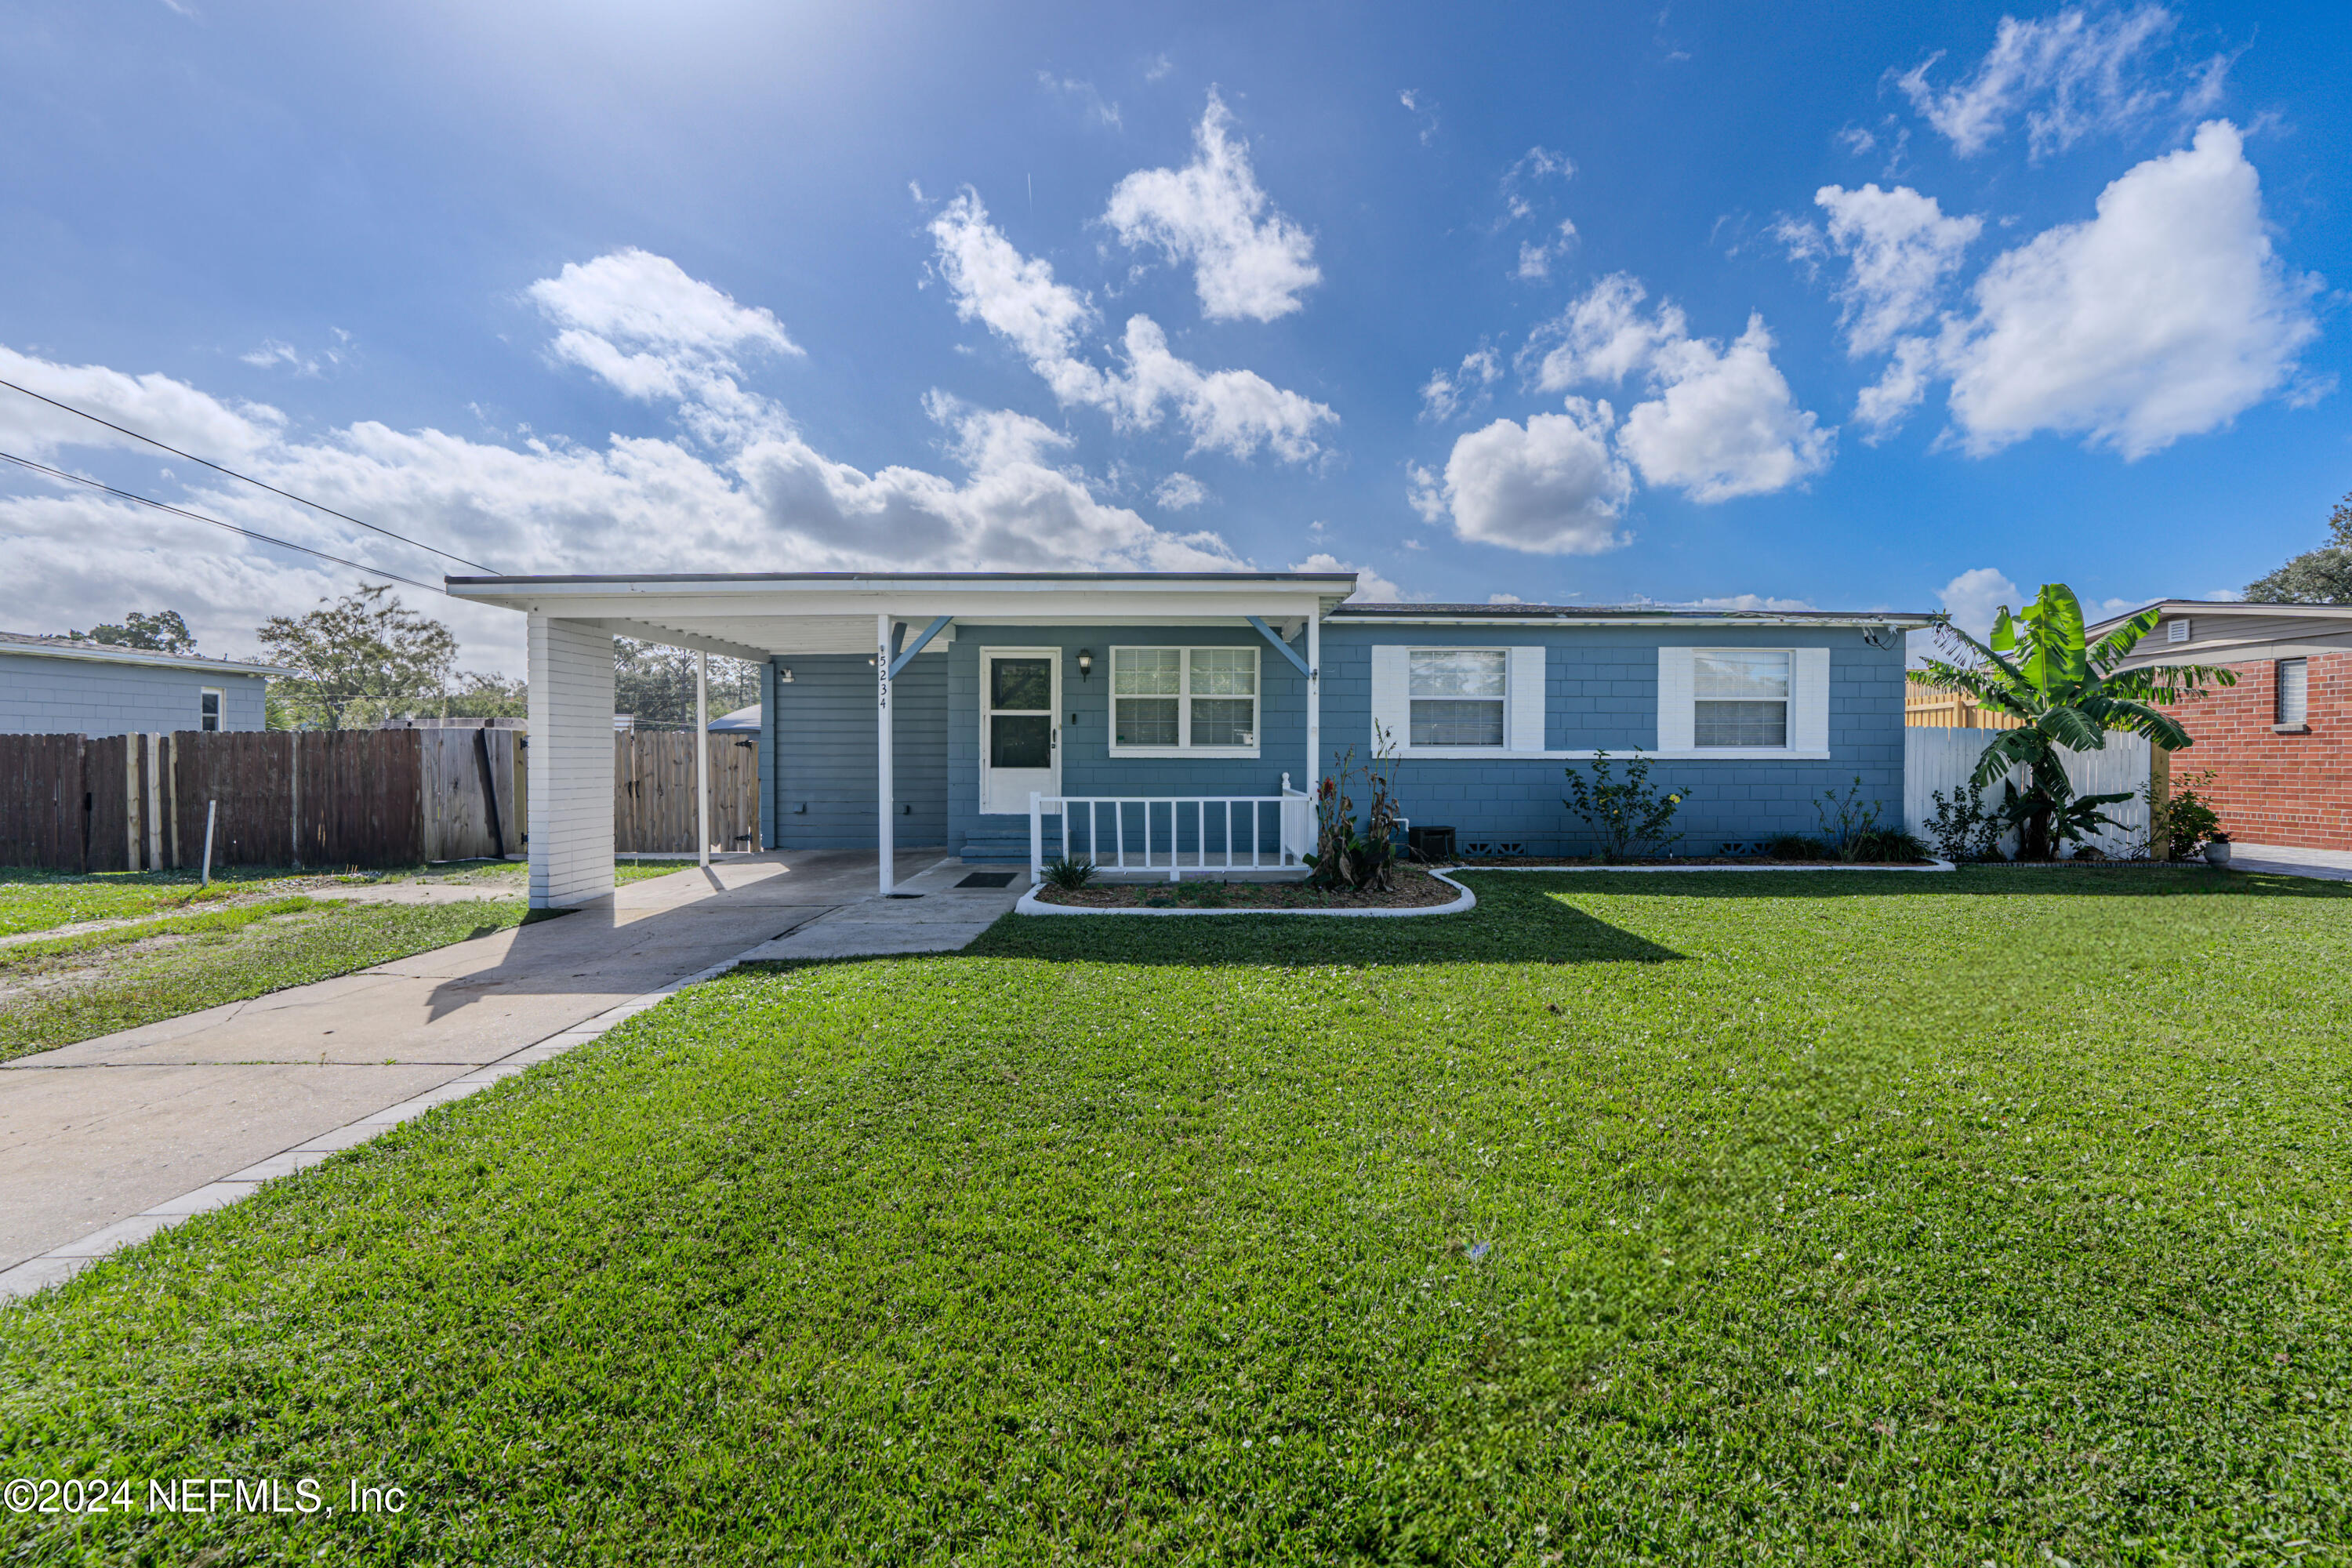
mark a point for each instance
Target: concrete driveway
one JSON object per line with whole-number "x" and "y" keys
{"x": 96, "y": 1134}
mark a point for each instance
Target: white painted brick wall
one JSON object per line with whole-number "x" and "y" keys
{"x": 571, "y": 762}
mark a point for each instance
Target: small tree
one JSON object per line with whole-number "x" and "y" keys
{"x": 162, "y": 632}
{"x": 357, "y": 660}
{"x": 1625, "y": 815}
{"x": 655, "y": 682}
{"x": 2037, "y": 668}
{"x": 2321, "y": 577}
{"x": 478, "y": 694}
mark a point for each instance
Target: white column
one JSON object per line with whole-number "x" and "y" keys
{"x": 569, "y": 762}
{"x": 884, "y": 794}
{"x": 702, "y": 755}
{"x": 1314, "y": 697}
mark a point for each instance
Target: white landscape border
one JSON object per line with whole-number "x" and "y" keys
{"x": 1031, "y": 904}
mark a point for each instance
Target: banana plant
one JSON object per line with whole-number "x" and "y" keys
{"x": 2038, "y": 668}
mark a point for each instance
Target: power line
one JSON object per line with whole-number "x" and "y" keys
{"x": 249, "y": 479}
{"x": 232, "y": 527}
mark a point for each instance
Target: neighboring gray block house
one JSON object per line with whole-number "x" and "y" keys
{"x": 55, "y": 686}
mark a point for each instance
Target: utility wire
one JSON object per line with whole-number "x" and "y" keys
{"x": 232, "y": 527}
{"x": 249, "y": 479}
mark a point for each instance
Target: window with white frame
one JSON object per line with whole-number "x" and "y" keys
{"x": 1457, "y": 696}
{"x": 208, "y": 708}
{"x": 1185, "y": 699}
{"x": 1740, "y": 697}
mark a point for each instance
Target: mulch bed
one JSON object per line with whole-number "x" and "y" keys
{"x": 1414, "y": 889}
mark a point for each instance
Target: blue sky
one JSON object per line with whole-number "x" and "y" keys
{"x": 1844, "y": 305}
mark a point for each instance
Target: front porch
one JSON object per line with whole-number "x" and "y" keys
{"x": 1163, "y": 724}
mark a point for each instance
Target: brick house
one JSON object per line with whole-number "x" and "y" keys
{"x": 2279, "y": 742}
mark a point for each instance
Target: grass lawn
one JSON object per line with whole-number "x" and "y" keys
{"x": 1999, "y": 1216}
{"x": 33, "y": 899}
{"x": 57, "y": 991}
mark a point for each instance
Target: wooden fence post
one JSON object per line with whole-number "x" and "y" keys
{"x": 294, "y": 788}
{"x": 2160, "y": 794}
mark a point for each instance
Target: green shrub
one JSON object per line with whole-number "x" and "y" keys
{"x": 1798, "y": 846}
{"x": 1889, "y": 845}
{"x": 1962, "y": 828}
{"x": 1069, "y": 874}
{"x": 1627, "y": 816}
{"x": 2184, "y": 819}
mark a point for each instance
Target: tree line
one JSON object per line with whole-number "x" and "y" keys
{"x": 366, "y": 658}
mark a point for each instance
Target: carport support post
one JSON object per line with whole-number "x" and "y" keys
{"x": 1314, "y": 697}
{"x": 702, "y": 755}
{"x": 884, "y": 792}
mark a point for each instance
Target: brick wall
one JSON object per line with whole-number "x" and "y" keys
{"x": 2269, "y": 788}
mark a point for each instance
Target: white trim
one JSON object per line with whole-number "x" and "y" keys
{"x": 1808, "y": 706}
{"x": 1654, "y": 623}
{"x": 220, "y": 707}
{"x": 1809, "y": 699}
{"x": 1677, "y": 691}
{"x": 1031, "y": 904}
{"x": 1681, "y": 754}
{"x": 1184, "y": 695}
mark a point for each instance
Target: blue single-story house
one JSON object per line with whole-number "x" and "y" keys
{"x": 59, "y": 686}
{"x": 1132, "y": 716}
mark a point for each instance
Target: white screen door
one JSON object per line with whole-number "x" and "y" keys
{"x": 1020, "y": 742}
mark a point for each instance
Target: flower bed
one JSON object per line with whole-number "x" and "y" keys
{"x": 1728, "y": 862}
{"x": 1415, "y": 889}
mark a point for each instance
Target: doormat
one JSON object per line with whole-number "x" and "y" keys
{"x": 987, "y": 879}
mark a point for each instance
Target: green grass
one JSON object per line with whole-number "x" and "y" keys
{"x": 33, "y": 899}
{"x": 1999, "y": 1216}
{"x": 71, "y": 988}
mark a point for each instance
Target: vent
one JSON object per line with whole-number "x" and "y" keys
{"x": 2175, "y": 631}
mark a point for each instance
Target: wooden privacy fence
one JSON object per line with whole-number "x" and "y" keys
{"x": 337, "y": 798}
{"x": 1941, "y": 707}
{"x": 653, "y": 792}
{"x": 1942, "y": 758}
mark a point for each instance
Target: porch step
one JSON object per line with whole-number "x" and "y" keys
{"x": 997, "y": 847}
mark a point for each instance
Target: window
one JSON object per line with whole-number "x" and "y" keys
{"x": 1457, "y": 696}
{"x": 1741, "y": 696}
{"x": 2293, "y": 706}
{"x": 209, "y": 708}
{"x": 1183, "y": 698}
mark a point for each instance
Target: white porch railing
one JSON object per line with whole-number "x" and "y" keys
{"x": 1238, "y": 815}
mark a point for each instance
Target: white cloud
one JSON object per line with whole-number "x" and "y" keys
{"x": 2083, "y": 69}
{"x": 1083, "y": 96}
{"x": 1550, "y": 487}
{"x": 1900, "y": 248}
{"x": 640, "y": 323}
{"x": 1725, "y": 423}
{"x": 1208, "y": 213}
{"x": 1371, "y": 588}
{"x": 1233, "y": 410}
{"x": 1973, "y": 597}
{"x": 1722, "y": 422}
{"x": 1179, "y": 492}
{"x": 2166, "y": 315}
{"x": 1882, "y": 405}
{"x": 1446, "y": 393}
{"x": 275, "y": 351}
{"x": 1602, "y": 337}
{"x": 1504, "y": 599}
{"x": 760, "y": 494}
{"x": 1536, "y": 256}
{"x": 1745, "y": 601}
{"x": 1417, "y": 104}
{"x": 171, "y": 411}
{"x": 1159, "y": 66}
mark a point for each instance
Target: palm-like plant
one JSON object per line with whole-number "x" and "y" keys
{"x": 2037, "y": 668}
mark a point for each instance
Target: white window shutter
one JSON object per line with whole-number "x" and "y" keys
{"x": 1809, "y": 699}
{"x": 1392, "y": 700}
{"x": 1523, "y": 718}
{"x": 1674, "y": 689}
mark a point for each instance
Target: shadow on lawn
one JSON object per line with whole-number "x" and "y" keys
{"x": 1510, "y": 925}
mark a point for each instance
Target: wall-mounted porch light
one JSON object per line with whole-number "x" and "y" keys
{"x": 1085, "y": 664}
{"x": 784, "y": 677}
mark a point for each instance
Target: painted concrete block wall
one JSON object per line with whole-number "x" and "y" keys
{"x": 1602, "y": 692}
{"x": 1088, "y": 766}
{"x": 45, "y": 696}
{"x": 570, "y": 761}
{"x": 818, "y": 775}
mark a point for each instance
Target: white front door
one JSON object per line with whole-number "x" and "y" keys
{"x": 1020, "y": 731}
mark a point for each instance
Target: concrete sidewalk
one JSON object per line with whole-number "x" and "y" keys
{"x": 2328, "y": 865}
{"x": 101, "y": 1135}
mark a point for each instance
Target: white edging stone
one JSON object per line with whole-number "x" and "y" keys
{"x": 1031, "y": 904}
{"x": 62, "y": 1263}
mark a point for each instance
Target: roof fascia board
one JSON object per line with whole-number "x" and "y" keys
{"x": 913, "y": 602}
{"x": 145, "y": 656}
{"x": 1658, "y": 622}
